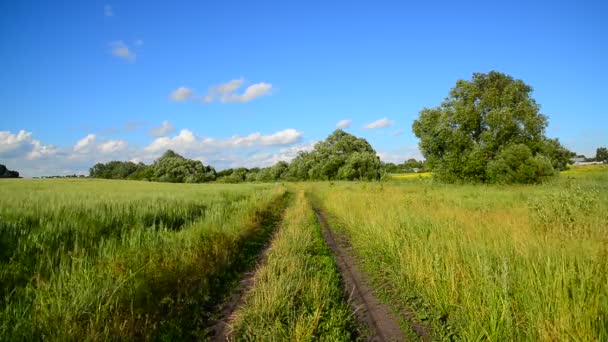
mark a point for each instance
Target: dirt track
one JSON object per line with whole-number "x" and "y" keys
{"x": 376, "y": 316}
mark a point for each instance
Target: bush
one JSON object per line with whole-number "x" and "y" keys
{"x": 516, "y": 164}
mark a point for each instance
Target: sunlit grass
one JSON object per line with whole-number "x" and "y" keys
{"x": 503, "y": 263}
{"x": 94, "y": 259}
{"x": 297, "y": 294}
{"x": 410, "y": 175}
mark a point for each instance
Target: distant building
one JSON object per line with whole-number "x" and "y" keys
{"x": 583, "y": 161}
{"x": 578, "y": 160}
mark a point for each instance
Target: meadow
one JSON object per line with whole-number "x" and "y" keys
{"x": 111, "y": 259}
{"x": 98, "y": 260}
{"x": 485, "y": 262}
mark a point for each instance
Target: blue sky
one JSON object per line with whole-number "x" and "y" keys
{"x": 252, "y": 82}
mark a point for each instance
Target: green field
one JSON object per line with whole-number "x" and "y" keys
{"x": 106, "y": 260}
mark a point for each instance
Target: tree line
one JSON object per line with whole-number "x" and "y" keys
{"x": 488, "y": 130}
{"x": 342, "y": 156}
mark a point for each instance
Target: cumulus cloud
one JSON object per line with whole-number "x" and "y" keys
{"x": 252, "y": 92}
{"x": 382, "y": 123}
{"x": 22, "y": 152}
{"x": 112, "y": 146}
{"x": 181, "y": 94}
{"x": 23, "y": 143}
{"x": 108, "y": 11}
{"x": 122, "y": 50}
{"x": 40, "y": 151}
{"x": 397, "y": 132}
{"x": 344, "y": 123}
{"x": 284, "y": 137}
{"x": 83, "y": 145}
{"x": 227, "y": 92}
{"x": 187, "y": 141}
{"x": 163, "y": 130}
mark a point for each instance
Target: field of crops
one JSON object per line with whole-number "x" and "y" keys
{"x": 99, "y": 260}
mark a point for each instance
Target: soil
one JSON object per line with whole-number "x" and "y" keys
{"x": 220, "y": 331}
{"x": 370, "y": 312}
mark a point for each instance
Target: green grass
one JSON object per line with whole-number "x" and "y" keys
{"x": 96, "y": 260}
{"x": 485, "y": 262}
{"x": 297, "y": 294}
{"x": 111, "y": 260}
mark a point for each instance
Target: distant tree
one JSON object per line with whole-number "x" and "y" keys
{"x": 482, "y": 123}
{"x": 6, "y": 173}
{"x": 340, "y": 156}
{"x": 560, "y": 156}
{"x": 173, "y": 168}
{"x": 601, "y": 154}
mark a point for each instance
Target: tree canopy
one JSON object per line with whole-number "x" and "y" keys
{"x": 170, "y": 167}
{"x": 6, "y": 173}
{"x": 342, "y": 156}
{"x": 489, "y": 129}
{"x": 601, "y": 154}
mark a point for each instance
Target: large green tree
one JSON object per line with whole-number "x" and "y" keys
{"x": 172, "y": 167}
{"x": 340, "y": 156}
{"x": 491, "y": 120}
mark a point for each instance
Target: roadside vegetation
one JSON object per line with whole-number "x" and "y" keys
{"x": 485, "y": 262}
{"x": 297, "y": 294}
{"x": 97, "y": 260}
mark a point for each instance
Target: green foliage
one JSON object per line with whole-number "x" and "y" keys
{"x": 601, "y": 154}
{"x": 515, "y": 164}
{"x": 173, "y": 168}
{"x": 170, "y": 167}
{"x": 480, "y": 119}
{"x": 409, "y": 166}
{"x": 341, "y": 156}
{"x": 114, "y": 170}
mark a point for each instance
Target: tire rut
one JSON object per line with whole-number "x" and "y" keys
{"x": 368, "y": 309}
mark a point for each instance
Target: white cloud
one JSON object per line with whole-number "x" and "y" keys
{"x": 120, "y": 49}
{"x": 163, "y": 130}
{"x": 39, "y": 150}
{"x": 344, "y": 123}
{"x": 13, "y": 143}
{"x": 397, "y": 132}
{"x": 226, "y": 88}
{"x": 183, "y": 141}
{"x": 108, "y": 11}
{"x": 112, "y": 146}
{"x": 83, "y": 145}
{"x": 284, "y": 137}
{"x": 23, "y": 143}
{"x": 22, "y": 152}
{"x": 227, "y": 92}
{"x": 187, "y": 141}
{"x": 382, "y": 123}
{"x": 181, "y": 94}
{"x": 252, "y": 92}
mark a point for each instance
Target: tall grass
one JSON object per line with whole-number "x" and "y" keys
{"x": 485, "y": 262}
{"x": 297, "y": 294}
{"x": 92, "y": 259}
